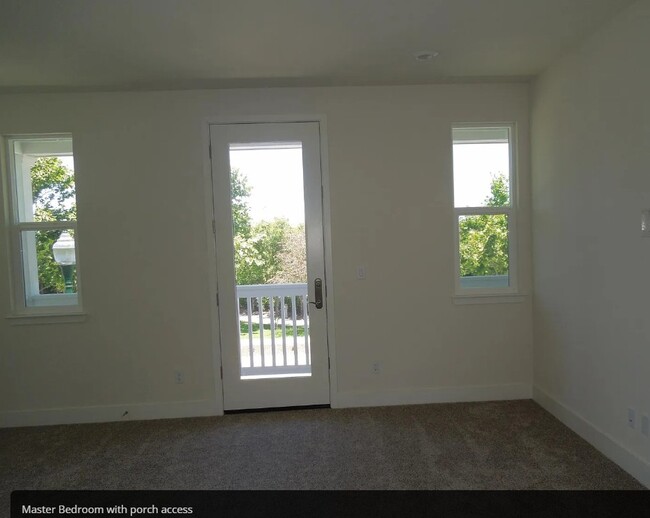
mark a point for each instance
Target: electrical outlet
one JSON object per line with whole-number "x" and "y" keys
{"x": 631, "y": 417}
{"x": 361, "y": 273}
{"x": 376, "y": 367}
{"x": 179, "y": 377}
{"x": 645, "y": 425}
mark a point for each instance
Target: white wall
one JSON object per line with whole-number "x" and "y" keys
{"x": 591, "y": 179}
{"x": 141, "y": 184}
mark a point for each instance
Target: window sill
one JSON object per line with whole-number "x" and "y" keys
{"x": 492, "y": 298}
{"x": 29, "y": 319}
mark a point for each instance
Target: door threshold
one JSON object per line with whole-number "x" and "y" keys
{"x": 274, "y": 409}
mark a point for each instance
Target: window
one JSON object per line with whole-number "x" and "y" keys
{"x": 43, "y": 224}
{"x": 484, "y": 209}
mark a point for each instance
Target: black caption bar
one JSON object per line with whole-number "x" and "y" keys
{"x": 312, "y": 504}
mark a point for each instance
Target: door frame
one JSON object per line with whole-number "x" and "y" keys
{"x": 212, "y": 245}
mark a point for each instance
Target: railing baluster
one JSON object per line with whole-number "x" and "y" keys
{"x": 249, "y": 311}
{"x": 295, "y": 329}
{"x": 260, "y": 308}
{"x": 283, "y": 312}
{"x": 305, "y": 316}
{"x": 272, "y": 317}
{"x": 279, "y": 360}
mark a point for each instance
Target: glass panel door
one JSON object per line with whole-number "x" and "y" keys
{"x": 269, "y": 236}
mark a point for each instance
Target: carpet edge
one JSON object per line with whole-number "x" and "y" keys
{"x": 108, "y": 413}
{"x": 421, "y": 396}
{"x": 603, "y": 442}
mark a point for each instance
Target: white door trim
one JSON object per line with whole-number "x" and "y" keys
{"x": 211, "y": 248}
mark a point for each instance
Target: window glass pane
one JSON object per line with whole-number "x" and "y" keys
{"x": 481, "y": 167}
{"x": 268, "y": 214}
{"x": 483, "y": 243}
{"x": 45, "y": 185}
{"x": 49, "y": 266}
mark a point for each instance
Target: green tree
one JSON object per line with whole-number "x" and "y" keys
{"x": 239, "y": 193}
{"x": 499, "y": 194}
{"x": 484, "y": 238}
{"x": 53, "y": 192}
{"x": 292, "y": 257}
{"x": 267, "y": 251}
{"x": 257, "y": 246}
{"x": 257, "y": 256}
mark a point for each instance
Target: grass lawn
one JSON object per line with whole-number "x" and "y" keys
{"x": 243, "y": 329}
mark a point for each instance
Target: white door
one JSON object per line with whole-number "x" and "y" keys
{"x": 270, "y": 261}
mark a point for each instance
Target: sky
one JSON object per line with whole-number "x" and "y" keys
{"x": 275, "y": 178}
{"x": 474, "y": 167}
{"x": 67, "y": 161}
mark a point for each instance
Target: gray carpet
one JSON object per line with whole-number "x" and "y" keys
{"x": 494, "y": 445}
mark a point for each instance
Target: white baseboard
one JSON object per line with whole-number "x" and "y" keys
{"x": 419, "y": 396}
{"x": 608, "y": 446}
{"x": 144, "y": 411}
{"x": 101, "y": 414}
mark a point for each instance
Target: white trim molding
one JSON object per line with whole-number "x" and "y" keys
{"x": 22, "y": 152}
{"x": 109, "y": 413}
{"x": 607, "y": 445}
{"x": 46, "y": 318}
{"x": 272, "y": 118}
{"x": 422, "y": 396}
{"x": 460, "y": 300}
{"x": 482, "y": 286}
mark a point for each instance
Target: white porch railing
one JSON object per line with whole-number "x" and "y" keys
{"x": 282, "y": 310}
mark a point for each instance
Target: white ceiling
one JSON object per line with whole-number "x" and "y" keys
{"x": 159, "y": 44}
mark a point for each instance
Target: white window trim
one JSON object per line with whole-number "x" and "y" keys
{"x": 45, "y": 308}
{"x": 511, "y": 293}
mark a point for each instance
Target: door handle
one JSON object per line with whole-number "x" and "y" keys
{"x": 318, "y": 291}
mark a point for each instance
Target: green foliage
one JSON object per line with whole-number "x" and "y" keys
{"x": 257, "y": 256}
{"x": 53, "y": 192}
{"x": 239, "y": 192}
{"x": 50, "y": 277}
{"x": 484, "y": 238}
{"x": 262, "y": 249}
{"x": 249, "y": 265}
{"x": 499, "y": 195}
{"x": 292, "y": 260}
